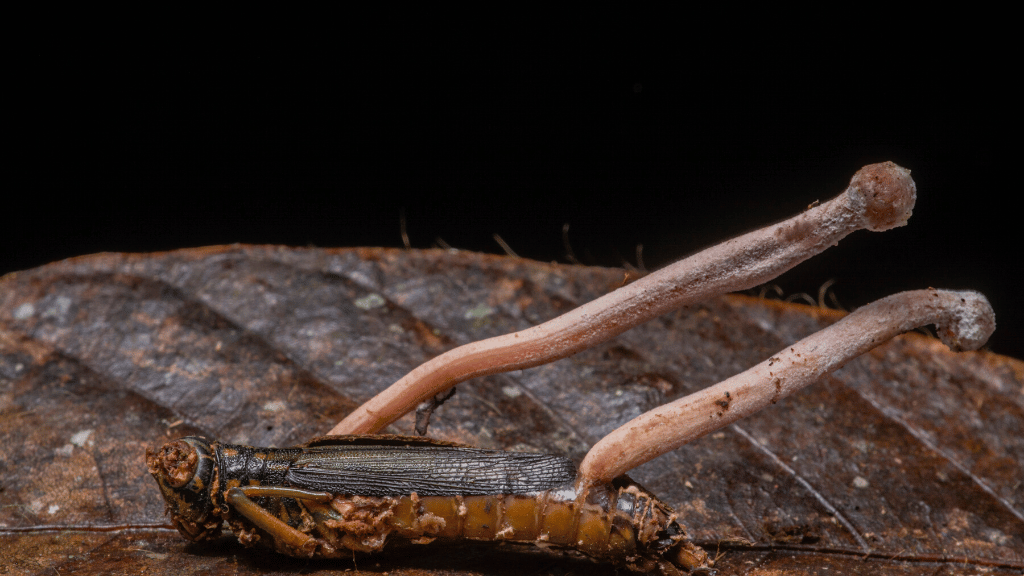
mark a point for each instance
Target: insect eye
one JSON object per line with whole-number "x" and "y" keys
{"x": 175, "y": 463}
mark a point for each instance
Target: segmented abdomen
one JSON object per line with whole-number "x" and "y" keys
{"x": 621, "y": 523}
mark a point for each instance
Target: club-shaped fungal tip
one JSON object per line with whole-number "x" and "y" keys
{"x": 887, "y": 193}
{"x": 969, "y": 324}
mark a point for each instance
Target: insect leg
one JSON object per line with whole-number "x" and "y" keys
{"x": 427, "y": 407}
{"x": 284, "y": 535}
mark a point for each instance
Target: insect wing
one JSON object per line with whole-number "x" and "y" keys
{"x": 427, "y": 471}
{"x": 346, "y": 440}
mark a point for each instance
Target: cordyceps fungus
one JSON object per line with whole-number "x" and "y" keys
{"x": 965, "y": 321}
{"x": 879, "y": 197}
{"x": 343, "y": 494}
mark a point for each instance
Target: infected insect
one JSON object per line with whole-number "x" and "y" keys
{"x": 312, "y": 501}
{"x": 355, "y": 493}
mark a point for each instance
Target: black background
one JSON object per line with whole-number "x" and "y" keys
{"x": 633, "y": 128}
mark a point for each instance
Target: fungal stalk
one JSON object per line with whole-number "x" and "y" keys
{"x": 879, "y": 197}
{"x": 964, "y": 320}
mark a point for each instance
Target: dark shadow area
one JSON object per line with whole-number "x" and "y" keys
{"x": 629, "y": 135}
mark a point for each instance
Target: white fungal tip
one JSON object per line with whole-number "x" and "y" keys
{"x": 886, "y": 192}
{"x": 970, "y": 323}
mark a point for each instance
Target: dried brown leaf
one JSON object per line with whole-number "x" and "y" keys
{"x": 907, "y": 461}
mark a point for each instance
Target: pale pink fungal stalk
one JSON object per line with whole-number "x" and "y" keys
{"x": 964, "y": 320}
{"x": 879, "y": 197}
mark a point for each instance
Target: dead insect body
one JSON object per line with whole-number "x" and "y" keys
{"x": 345, "y": 493}
{"x": 340, "y": 494}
